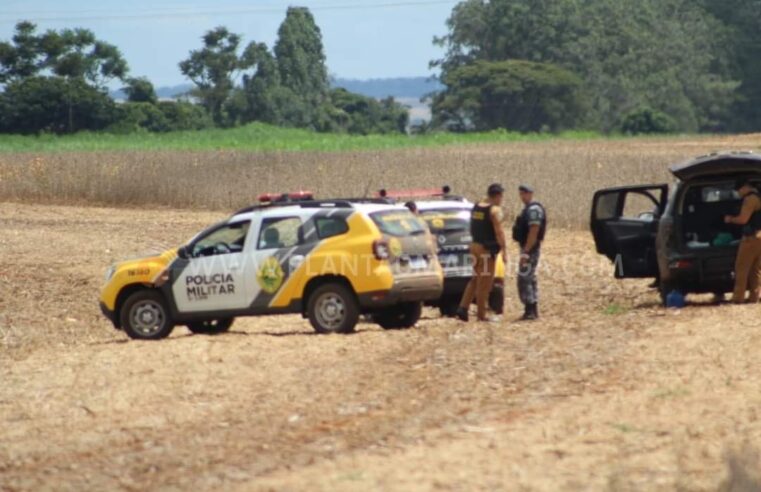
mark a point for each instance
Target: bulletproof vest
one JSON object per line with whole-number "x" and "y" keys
{"x": 754, "y": 224}
{"x": 481, "y": 226}
{"x": 522, "y": 227}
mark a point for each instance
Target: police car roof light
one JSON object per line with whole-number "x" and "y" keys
{"x": 296, "y": 196}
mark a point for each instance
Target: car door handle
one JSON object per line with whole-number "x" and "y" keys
{"x": 234, "y": 265}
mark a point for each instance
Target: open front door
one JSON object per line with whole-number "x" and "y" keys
{"x": 624, "y": 224}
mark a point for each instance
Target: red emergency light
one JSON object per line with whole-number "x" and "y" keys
{"x": 295, "y": 196}
{"x": 415, "y": 193}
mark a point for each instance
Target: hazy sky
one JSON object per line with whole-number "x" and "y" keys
{"x": 363, "y": 38}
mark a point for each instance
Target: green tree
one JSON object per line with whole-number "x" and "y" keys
{"x": 742, "y": 21}
{"x": 358, "y": 114}
{"x": 140, "y": 89}
{"x": 664, "y": 54}
{"x": 516, "y": 95}
{"x": 53, "y": 104}
{"x": 214, "y": 68}
{"x": 70, "y": 53}
{"x": 302, "y": 72}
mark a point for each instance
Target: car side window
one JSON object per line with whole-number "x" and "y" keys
{"x": 330, "y": 227}
{"x": 229, "y": 238}
{"x": 279, "y": 232}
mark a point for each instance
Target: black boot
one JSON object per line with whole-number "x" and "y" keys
{"x": 462, "y": 314}
{"x": 531, "y": 312}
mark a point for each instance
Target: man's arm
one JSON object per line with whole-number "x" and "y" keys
{"x": 497, "y": 218}
{"x": 533, "y": 238}
{"x": 750, "y": 205}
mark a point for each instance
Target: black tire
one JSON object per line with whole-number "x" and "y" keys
{"x": 497, "y": 299}
{"x": 145, "y": 316}
{"x": 333, "y": 308}
{"x": 211, "y": 327}
{"x": 400, "y": 317}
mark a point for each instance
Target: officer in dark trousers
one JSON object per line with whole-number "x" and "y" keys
{"x": 528, "y": 231}
{"x": 488, "y": 240}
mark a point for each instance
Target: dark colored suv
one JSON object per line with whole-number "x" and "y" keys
{"x": 679, "y": 238}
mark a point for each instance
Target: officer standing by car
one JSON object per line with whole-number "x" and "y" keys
{"x": 528, "y": 231}
{"x": 488, "y": 240}
{"x": 748, "y": 262}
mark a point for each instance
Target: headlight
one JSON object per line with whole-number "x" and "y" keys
{"x": 110, "y": 273}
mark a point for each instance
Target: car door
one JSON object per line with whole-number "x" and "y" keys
{"x": 211, "y": 276}
{"x": 624, "y": 224}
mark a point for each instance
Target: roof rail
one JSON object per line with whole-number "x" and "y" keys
{"x": 335, "y": 202}
{"x": 445, "y": 192}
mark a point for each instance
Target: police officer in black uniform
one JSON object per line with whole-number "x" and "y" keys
{"x": 528, "y": 231}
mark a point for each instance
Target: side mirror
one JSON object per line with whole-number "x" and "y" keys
{"x": 183, "y": 253}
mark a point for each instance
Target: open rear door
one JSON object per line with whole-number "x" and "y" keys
{"x": 624, "y": 224}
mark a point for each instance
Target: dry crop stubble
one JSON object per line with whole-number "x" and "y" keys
{"x": 566, "y": 173}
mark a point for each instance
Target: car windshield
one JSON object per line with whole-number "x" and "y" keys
{"x": 398, "y": 223}
{"x": 446, "y": 220}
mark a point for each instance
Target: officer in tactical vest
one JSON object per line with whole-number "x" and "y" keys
{"x": 488, "y": 240}
{"x": 748, "y": 262}
{"x": 528, "y": 231}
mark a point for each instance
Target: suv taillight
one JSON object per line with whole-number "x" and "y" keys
{"x": 381, "y": 249}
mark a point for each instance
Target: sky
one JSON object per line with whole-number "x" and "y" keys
{"x": 363, "y": 38}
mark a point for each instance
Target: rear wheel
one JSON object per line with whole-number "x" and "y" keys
{"x": 211, "y": 327}
{"x": 144, "y": 316}
{"x": 399, "y": 317}
{"x": 333, "y": 308}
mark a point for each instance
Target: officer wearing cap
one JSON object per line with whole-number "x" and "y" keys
{"x": 528, "y": 231}
{"x": 748, "y": 262}
{"x": 488, "y": 241}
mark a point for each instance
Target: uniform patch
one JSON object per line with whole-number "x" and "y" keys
{"x": 270, "y": 275}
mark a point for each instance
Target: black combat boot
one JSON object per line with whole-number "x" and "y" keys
{"x": 462, "y": 314}
{"x": 531, "y": 312}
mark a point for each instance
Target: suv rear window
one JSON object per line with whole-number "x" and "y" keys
{"x": 398, "y": 223}
{"x": 447, "y": 220}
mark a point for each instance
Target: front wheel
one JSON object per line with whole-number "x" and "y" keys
{"x": 144, "y": 316}
{"x": 333, "y": 308}
{"x": 211, "y": 327}
{"x": 400, "y": 317}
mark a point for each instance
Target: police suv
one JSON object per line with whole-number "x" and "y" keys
{"x": 329, "y": 260}
{"x": 448, "y": 219}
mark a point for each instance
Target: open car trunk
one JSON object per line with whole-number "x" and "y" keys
{"x": 702, "y": 213}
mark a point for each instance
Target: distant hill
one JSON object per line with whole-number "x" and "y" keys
{"x": 398, "y": 87}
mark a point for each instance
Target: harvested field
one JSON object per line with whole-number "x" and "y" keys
{"x": 566, "y": 172}
{"x": 607, "y": 392}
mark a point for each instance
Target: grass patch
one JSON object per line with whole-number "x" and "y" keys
{"x": 263, "y": 138}
{"x": 615, "y": 309}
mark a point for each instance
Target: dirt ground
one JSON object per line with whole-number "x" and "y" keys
{"x": 607, "y": 392}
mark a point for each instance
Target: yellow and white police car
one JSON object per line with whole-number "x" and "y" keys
{"x": 448, "y": 218}
{"x": 329, "y": 260}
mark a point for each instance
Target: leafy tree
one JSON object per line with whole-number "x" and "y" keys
{"x": 71, "y": 53}
{"x": 358, "y": 114}
{"x": 53, "y": 104}
{"x": 182, "y": 116}
{"x": 140, "y": 89}
{"x": 665, "y": 54}
{"x": 515, "y": 95}
{"x": 213, "y": 69}
{"x": 301, "y": 66}
{"x": 647, "y": 121}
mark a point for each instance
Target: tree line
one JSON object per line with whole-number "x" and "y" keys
{"x": 632, "y": 66}
{"x": 56, "y": 82}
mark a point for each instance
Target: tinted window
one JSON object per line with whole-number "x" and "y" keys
{"x": 279, "y": 233}
{"x": 607, "y": 206}
{"x": 330, "y": 226}
{"x": 446, "y": 220}
{"x": 398, "y": 222}
{"x": 226, "y": 239}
